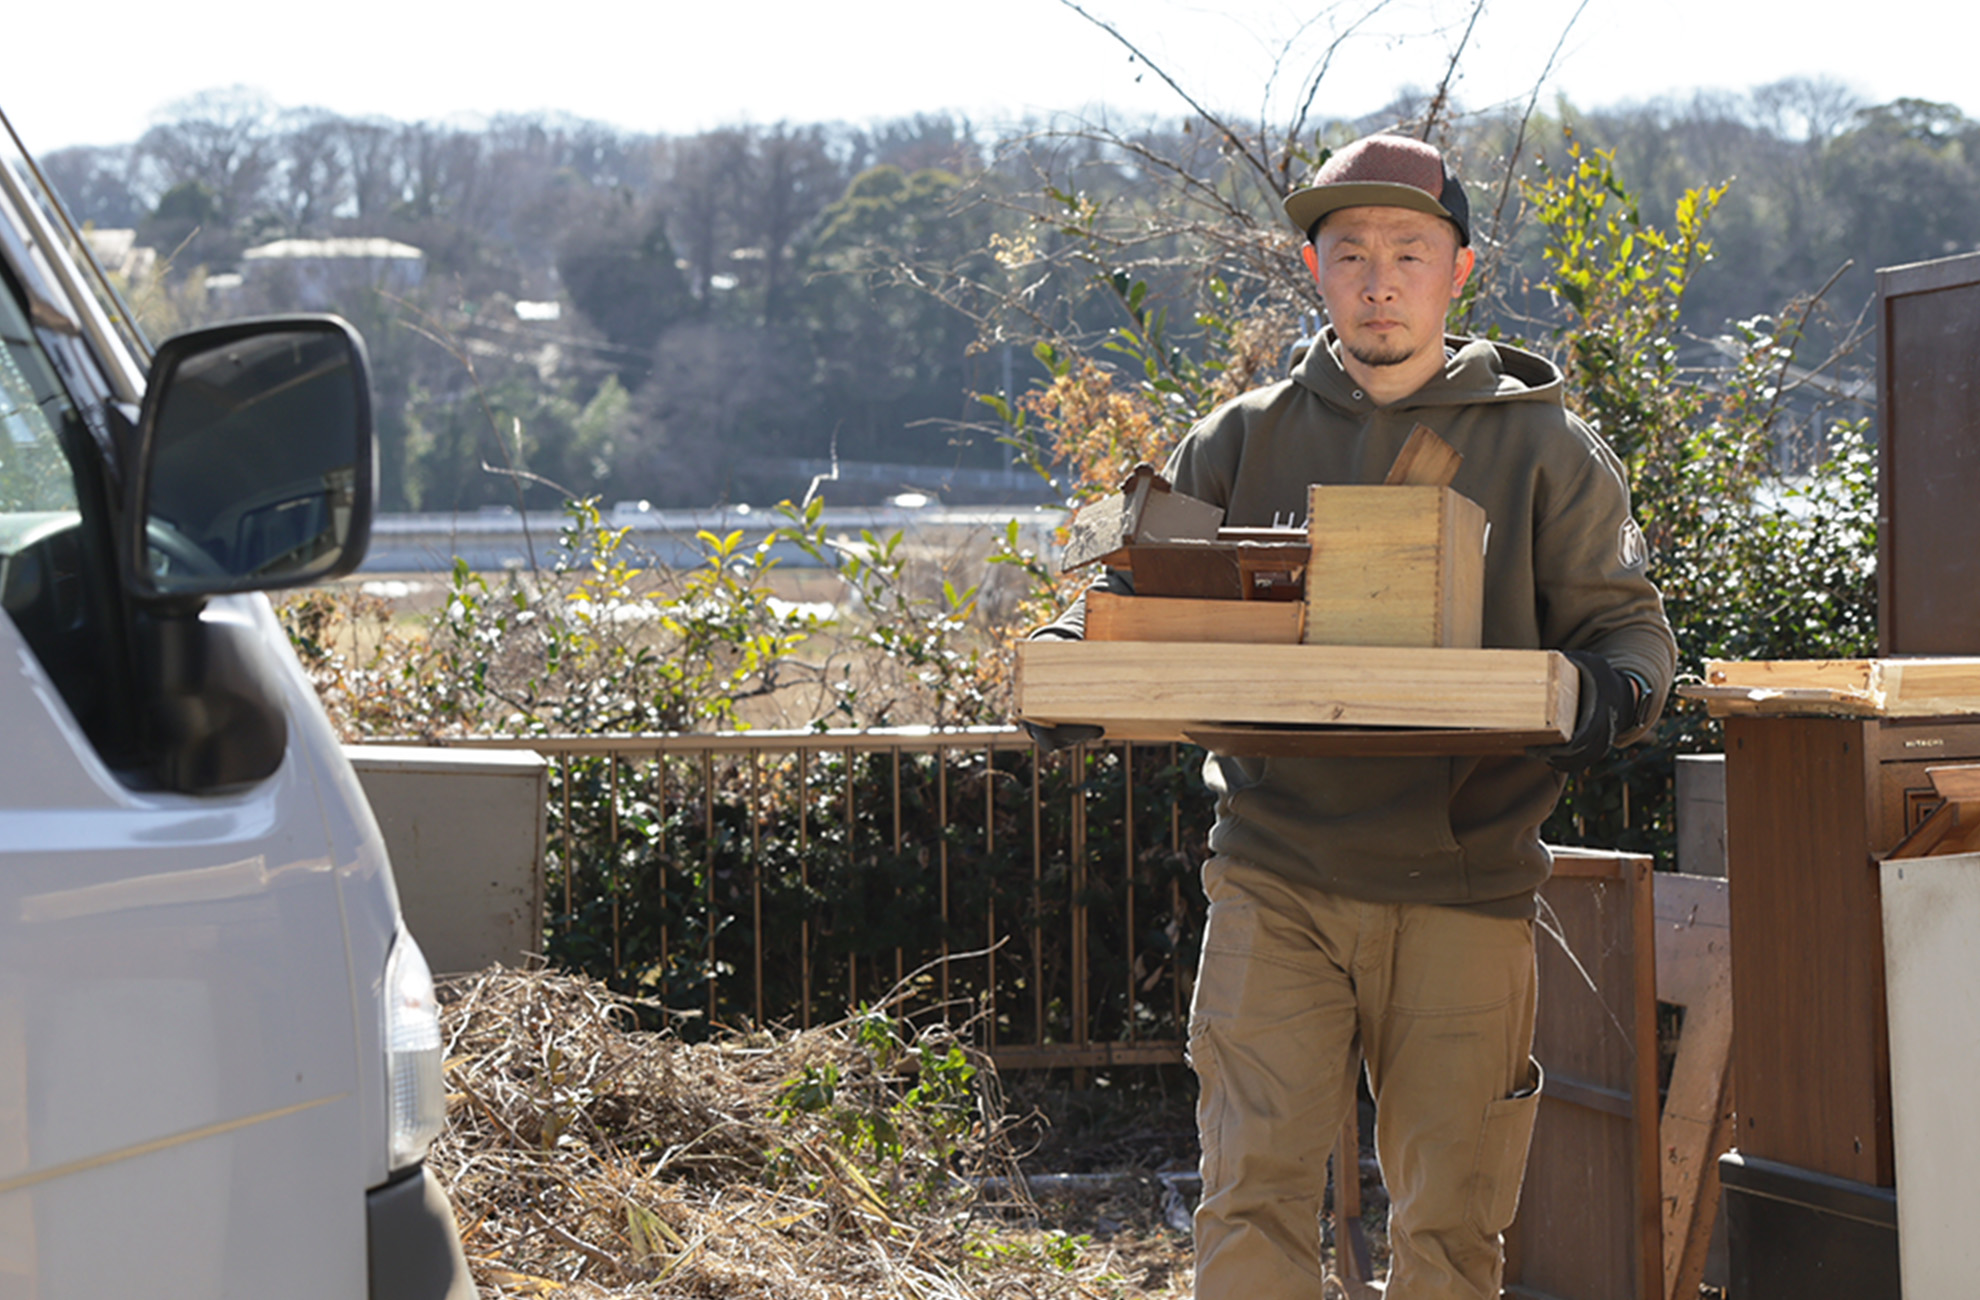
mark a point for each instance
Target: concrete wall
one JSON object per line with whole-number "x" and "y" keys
{"x": 465, "y": 830}
{"x": 1701, "y": 814}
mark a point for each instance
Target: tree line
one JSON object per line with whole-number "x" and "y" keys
{"x": 741, "y": 299}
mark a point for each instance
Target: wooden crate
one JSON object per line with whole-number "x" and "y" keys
{"x": 1394, "y": 566}
{"x": 1165, "y": 691}
{"x": 1113, "y": 617}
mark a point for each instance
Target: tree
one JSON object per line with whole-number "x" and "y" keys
{"x": 97, "y": 184}
{"x": 224, "y": 140}
{"x": 619, "y": 269}
{"x": 893, "y": 351}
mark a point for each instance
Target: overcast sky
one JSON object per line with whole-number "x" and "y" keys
{"x": 674, "y": 67}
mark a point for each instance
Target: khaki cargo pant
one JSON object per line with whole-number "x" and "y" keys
{"x": 1295, "y": 985}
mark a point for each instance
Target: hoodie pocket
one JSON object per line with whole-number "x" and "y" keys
{"x": 1372, "y": 809}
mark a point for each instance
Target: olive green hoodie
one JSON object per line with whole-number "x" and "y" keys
{"x": 1564, "y": 570}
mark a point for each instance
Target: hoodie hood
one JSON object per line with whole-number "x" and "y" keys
{"x": 1476, "y": 371}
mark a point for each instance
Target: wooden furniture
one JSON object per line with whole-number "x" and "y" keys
{"x": 1590, "y": 1211}
{"x": 1928, "y": 533}
{"x": 1811, "y": 804}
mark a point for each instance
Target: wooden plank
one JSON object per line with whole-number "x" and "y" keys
{"x": 1424, "y": 461}
{"x": 1694, "y": 936}
{"x": 1929, "y": 834}
{"x": 1814, "y": 686}
{"x": 1394, "y": 566}
{"x": 1890, "y": 688}
{"x": 1157, "y": 686}
{"x": 1751, "y": 701}
{"x": 1111, "y": 616}
{"x": 1931, "y": 688}
{"x": 1928, "y": 413}
{"x": 1693, "y": 1119}
{"x": 1960, "y": 781}
{"x": 1311, "y": 742}
{"x": 1689, "y": 1274}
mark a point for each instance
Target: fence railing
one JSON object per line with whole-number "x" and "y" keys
{"x": 1049, "y": 901}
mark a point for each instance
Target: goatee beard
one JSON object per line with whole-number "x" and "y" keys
{"x": 1393, "y": 354}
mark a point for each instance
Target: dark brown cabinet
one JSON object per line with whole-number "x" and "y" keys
{"x": 1811, "y": 804}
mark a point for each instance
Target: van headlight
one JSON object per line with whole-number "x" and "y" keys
{"x": 418, "y": 1095}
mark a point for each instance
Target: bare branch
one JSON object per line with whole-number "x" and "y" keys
{"x": 1441, "y": 100}
{"x": 1526, "y": 117}
{"x": 1319, "y": 75}
{"x": 1236, "y": 141}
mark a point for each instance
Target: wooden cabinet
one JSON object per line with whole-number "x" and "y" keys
{"x": 1810, "y": 805}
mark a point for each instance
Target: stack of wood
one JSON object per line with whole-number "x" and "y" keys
{"x": 1357, "y": 631}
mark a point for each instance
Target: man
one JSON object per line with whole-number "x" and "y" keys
{"x": 1383, "y": 907}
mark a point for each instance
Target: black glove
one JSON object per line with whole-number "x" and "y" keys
{"x": 1608, "y": 708}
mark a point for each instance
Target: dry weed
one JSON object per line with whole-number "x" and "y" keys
{"x": 588, "y": 1157}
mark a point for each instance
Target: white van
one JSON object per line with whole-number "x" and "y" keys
{"x": 219, "y": 1048}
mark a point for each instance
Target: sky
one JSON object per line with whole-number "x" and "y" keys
{"x": 675, "y": 67}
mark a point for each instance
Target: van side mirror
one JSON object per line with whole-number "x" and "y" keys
{"x": 254, "y": 468}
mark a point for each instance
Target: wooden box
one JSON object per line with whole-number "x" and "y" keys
{"x": 1394, "y": 565}
{"x": 1113, "y": 617}
{"x": 1316, "y": 698}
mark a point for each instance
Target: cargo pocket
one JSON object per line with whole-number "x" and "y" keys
{"x": 1204, "y": 1057}
{"x": 1501, "y": 1162}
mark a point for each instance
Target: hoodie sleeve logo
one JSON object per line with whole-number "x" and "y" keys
{"x": 1632, "y": 550}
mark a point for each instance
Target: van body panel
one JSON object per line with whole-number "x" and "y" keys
{"x": 181, "y": 1095}
{"x": 193, "y": 1081}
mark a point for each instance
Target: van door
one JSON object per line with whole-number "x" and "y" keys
{"x": 178, "y": 1044}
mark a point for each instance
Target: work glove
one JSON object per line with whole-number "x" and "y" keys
{"x": 1608, "y": 708}
{"x": 1064, "y": 735}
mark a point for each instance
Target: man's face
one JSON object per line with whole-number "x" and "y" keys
{"x": 1387, "y": 276}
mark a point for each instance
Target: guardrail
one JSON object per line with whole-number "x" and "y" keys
{"x": 1048, "y": 901}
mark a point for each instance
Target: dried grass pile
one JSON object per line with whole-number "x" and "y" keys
{"x": 586, "y": 1157}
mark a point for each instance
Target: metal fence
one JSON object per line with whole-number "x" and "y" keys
{"x": 1047, "y": 901}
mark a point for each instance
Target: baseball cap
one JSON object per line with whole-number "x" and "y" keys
{"x": 1389, "y": 171}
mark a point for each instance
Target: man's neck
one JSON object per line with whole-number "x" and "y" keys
{"x": 1389, "y": 384}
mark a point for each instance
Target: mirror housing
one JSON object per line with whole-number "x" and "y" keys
{"x": 255, "y": 468}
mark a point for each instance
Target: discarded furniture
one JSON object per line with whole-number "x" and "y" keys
{"x": 1813, "y": 802}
